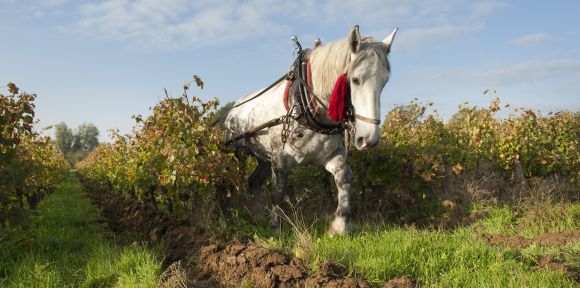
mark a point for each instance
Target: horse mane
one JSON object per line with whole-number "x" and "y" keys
{"x": 330, "y": 60}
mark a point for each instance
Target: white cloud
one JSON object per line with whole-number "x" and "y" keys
{"x": 423, "y": 24}
{"x": 174, "y": 24}
{"x": 528, "y": 72}
{"x": 422, "y": 38}
{"x": 37, "y": 8}
{"x": 485, "y": 8}
{"x": 510, "y": 74}
{"x": 52, "y": 3}
{"x": 384, "y": 14}
{"x": 532, "y": 39}
{"x": 169, "y": 24}
{"x": 364, "y": 12}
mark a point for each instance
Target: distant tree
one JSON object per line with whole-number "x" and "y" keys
{"x": 76, "y": 146}
{"x": 88, "y": 137}
{"x": 77, "y": 143}
{"x": 63, "y": 138}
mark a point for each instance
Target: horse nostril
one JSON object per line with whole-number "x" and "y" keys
{"x": 360, "y": 141}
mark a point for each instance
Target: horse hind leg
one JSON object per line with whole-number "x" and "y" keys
{"x": 341, "y": 224}
{"x": 260, "y": 174}
{"x": 279, "y": 184}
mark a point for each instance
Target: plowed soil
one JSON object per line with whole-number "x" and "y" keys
{"x": 402, "y": 282}
{"x": 554, "y": 263}
{"x": 556, "y": 239}
{"x": 549, "y": 261}
{"x": 266, "y": 268}
{"x": 215, "y": 264}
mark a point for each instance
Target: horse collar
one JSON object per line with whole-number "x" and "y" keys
{"x": 305, "y": 103}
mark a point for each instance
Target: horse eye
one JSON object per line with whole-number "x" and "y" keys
{"x": 355, "y": 81}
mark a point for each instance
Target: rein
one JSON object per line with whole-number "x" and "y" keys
{"x": 263, "y": 91}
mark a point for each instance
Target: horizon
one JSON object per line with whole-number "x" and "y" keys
{"x": 103, "y": 61}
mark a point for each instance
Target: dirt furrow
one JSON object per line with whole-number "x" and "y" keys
{"x": 213, "y": 263}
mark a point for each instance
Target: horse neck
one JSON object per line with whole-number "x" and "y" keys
{"x": 327, "y": 63}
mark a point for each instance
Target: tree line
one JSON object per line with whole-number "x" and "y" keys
{"x": 76, "y": 145}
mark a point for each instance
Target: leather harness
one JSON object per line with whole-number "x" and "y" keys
{"x": 305, "y": 105}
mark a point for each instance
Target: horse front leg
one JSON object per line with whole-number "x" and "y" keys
{"x": 341, "y": 224}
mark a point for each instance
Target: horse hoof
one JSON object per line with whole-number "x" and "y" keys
{"x": 331, "y": 232}
{"x": 275, "y": 225}
{"x": 339, "y": 226}
{"x": 259, "y": 215}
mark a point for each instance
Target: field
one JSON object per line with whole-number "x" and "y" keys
{"x": 476, "y": 201}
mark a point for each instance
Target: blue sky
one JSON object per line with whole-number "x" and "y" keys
{"x": 103, "y": 61}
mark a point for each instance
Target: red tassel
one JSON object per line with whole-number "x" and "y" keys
{"x": 338, "y": 98}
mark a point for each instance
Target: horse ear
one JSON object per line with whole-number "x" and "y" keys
{"x": 354, "y": 39}
{"x": 389, "y": 40}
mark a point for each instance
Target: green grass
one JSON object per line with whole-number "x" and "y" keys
{"x": 450, "y": 258}
{"x": 436, "y": 258}
{"x": 532, "y": 221}
{"x": 65, "y": 246}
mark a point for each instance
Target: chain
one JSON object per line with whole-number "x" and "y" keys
{"x": 349, "y": 132}
{"x": 286, "y": 120}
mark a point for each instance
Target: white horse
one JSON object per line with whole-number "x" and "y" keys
{"x": 365, "y": 63}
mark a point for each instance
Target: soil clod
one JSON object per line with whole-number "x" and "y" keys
{"x": 556, "y": 239}
{"x": 402, "y": 282}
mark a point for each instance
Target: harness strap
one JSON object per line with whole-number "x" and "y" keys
{"x": 312, "y": 93}
{"x": 308, "y": 86}
{"x": 306, "y": 104}
{"x": 368, "y": 120}
{"x": 255, "y": 130}
{"x": 285, "y": 97}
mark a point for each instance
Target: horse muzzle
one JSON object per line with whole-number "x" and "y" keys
{"x": 365, "y": 142}
{"x": 367, "y": 133}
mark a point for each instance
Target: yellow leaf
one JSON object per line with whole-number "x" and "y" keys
{"x": 457, "y": 168}
{"x": 12, "y": 88}
{"x": 198, "y": 81}
{"x": 427, "y": 176}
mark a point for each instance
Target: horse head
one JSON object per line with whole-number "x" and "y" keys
{"x": 368, "y": 72}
